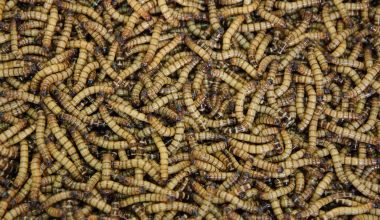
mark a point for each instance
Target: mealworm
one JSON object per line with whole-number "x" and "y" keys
{"x": 51, "y": 23}
{"x": 230, "y": 31}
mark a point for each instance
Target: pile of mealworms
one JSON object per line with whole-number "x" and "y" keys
{"x": 201, "y": 109}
